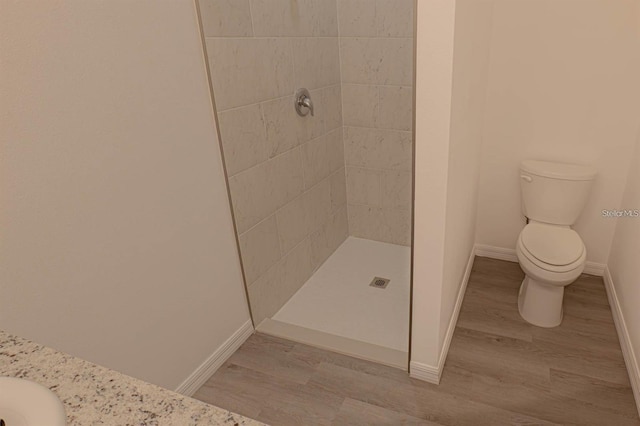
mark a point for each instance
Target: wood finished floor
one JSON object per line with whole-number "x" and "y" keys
{"x": 500, "y": 370}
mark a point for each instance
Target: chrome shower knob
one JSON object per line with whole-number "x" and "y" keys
{"x": 303, "y": 103}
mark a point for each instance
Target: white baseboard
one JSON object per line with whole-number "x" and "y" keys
{"x": 508, "y": 254}
{"x": 430, "y": 373}
{"x": 623, "y": 335}
{"x": 593, "y": 268}
{"x": 424, "y": 372}
{"x": 215, "y": 361}
{"x": 500, "y": 253}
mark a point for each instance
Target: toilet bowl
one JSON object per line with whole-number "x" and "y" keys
{"x": 551, "y": 254}
{"x": 551, "y": 257}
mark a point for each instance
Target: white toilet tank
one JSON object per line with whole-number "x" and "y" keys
{"x": 554, "y": 193}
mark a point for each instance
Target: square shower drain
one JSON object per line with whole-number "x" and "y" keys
{"x": 379, "y": 282}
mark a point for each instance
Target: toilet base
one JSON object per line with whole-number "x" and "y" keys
{"x": 540, "y": 304}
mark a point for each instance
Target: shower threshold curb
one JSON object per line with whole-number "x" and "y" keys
{"x": 342, "y": 345}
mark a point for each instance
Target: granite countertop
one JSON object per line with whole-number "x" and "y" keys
{"x": 94, "y": 395}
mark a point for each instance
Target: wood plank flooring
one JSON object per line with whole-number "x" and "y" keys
{"x": 500, "y": 370}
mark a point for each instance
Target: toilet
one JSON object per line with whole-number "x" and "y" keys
{"x": 551, "y": 254}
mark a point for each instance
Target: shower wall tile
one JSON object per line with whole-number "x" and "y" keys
{"x": 378, "y": 148}
{"x": 286, "y": 129}
{"x": 394, "y": 18}
{"x": 396, "y": 61}
{"x": 260, "y": 248}
{"x": 318, "y": 203}
{"x": 338, "y": 190}
{"x": 380, "y": 224}
{"x": 359, "y": 64}
{"x": 316, "y": 62}
{"x": 263, "y": 296}
{"x": 328, "y": 238}
{"x": 357, "y": 18}
{"x": 305, "y": 214}
{"x": 331, "y": 107}
{"x": 276, "y": 286}
{"x": 286, "y": 172}
{"x": 296, "y": 269}
{"x": 249, "y": 70}
{"x": 300, "y": 18}
{"x": 376, "y": 50}
{"x": 244, "y": 138}
{"x": 363, "y": 186}
{"x": 396, "y": 189}
{"x": 384, "y": 107}
{"x": 321, "y": 157}
{"x": 387, "y": 61}
{"x": 226, "y": 18}
{"x": 396, "y": 108}
{"x": 360, "y": 104}
{"x": 375, "y": 18}
{"x": 258, "y": 192}
{"x": 292, "y": 224}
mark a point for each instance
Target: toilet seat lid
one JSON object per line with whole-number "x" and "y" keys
{"x": 553, "y": 245}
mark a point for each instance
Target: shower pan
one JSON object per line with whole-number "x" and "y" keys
{"x": 314, "y": 104}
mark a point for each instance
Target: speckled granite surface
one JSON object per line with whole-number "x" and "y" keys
{"x": 94, "y": 395}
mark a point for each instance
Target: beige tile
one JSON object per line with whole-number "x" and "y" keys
{"x": 375, "y": 223}
{"x": 243, "y": 138}
{"x": 377, "y": 148}
{"x": 360, "y": 105}
{"x": 303, "y": 215}
{"x": 257, "y": 192}
{"x": 364, "y": 222}
{"x": 394, "y": 18}
{"x": 321, "y": 157}
{"x": 357, "y": 18}
{"x": 276, "y": 286}
{"x": 328, "y": 238}
{"x": 226, "y": 18}
{"x": 332, "y": 107}
{"x": 285, "y": 128}
{"x": 318, "y": 204}
{"x": 316, "y": 61}
{"x": 396, "y": 189}
{"x": 264, "y": 298}
{"x": 377, "y": 61}
{"x": 358, "y": 60}
{"x": 296, "y": 269}
{"x": 396, "y": 62}
{"x": 338, "y": 189}
{"x": 292, "y": 223}
{"x": 336, "y": 149}
{"x": 248, "y": 70}
{"x": 298, "y": 218}
{"x": 363, "y": 186}
{"x": 397, "y": 226}
{"x": 250, "y": 196}
{"x": 396, "y": 108}
{"x": 259, "y": 248}
{"x": 299, "y": 18}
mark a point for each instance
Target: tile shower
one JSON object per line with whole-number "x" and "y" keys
{"x": 300, "y": 186}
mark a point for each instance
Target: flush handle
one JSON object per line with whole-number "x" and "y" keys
{"x": 526, "y": 178}
{"x": 303, "y": 103}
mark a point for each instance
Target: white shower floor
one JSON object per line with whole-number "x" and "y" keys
{"x": 338, "y": 300}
